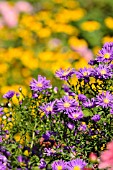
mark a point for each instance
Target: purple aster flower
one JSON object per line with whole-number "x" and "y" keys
{"x": 47, "y": 135}
{"x": 111, "y": 111}
{"x": 42, "y": 164}
{"x": 96, "y": 118}
{"x": 77, "y": 164}
{"x": 49, "y": 151}
{"x": 3, "y": 167}
{"x": 34, "y": 95}
{"x": 84, "y": 73}
{"x": 82, "y": 97}
{"x": 106, "y": 53}
{"x": 89, "y": 103}
{"x": 105, "y": 99}
{"x": 67, "y": 90}
{"x": 48, "y": 108}
{"x": 22, "y": 159}
{"x": 92, "y": 62}
{"x": 70, "y": 126}
{"x": 111, "y": 66}
{"x": 1, "y": 111}
{"x": 59, "y": 165}
{"x": 76, "y": 115}
{"x": 3, "y": 162}
{"x": 64, "y": 74}
{"x": 82, "y": 127}
{"x": 66, "y": 104}
{"x": 102, "y": 72}
{"x": 9, "y": 94}
{"x": 40, "y": 84}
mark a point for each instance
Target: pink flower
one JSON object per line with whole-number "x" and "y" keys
{"x": 22, "y": 6}
{"x": 84, "y": 52}
{"x": 1, "y": 23}
{"x": 9, "y": 14}
{"x": 93, "y": 157}
{"x": 106, "y": 158}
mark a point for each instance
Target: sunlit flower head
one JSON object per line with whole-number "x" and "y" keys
{"x": 105, "y": 99}
{"x": 41, "y": 84}
{"x": 102, "y": 72}
{"x": 48, "y": 108}
{"x": 65, "y": 74}
{"x": 89, "y": 103}
{"x": 58, "y": 165}
{"x": 76, "y": 115}
{"x": 66, "y": 105}
{"x": 76, "y": 164}
{"x": 84, "y": 73}
{"x": 106, "y": 53}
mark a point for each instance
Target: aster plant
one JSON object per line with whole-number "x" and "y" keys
{"x": 60, "y": 129}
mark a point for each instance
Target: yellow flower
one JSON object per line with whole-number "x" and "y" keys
{"x": 44, "y": 32}
{"x": 96, "y": 49}
{"x": 78, "y": 14}
{"x": 3, "y": 68}
{"x": 90, "y": 26}
{"x": 29, "y": 60}
{"x": 67, "y": 15}
{"x": 64, "y": 28}
{"x": 107, "y": 39}
{"x": 46, "y": 56}
{"x": 43, "y": 16}
{"x": 22, "y": 138}
{"x": 26, "y": 72}
{"x": 71, "y": 4}
{"x": 109, "y": 22}
{"x": 26, "y": 153}
{"x": 94, "y": 136}
{"x": 81, "y": 64}
{"x": 76, "y": 42}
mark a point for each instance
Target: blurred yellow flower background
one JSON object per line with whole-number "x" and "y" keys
{"x": 46, "y": 36}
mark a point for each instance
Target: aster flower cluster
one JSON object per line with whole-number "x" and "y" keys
{"x": 60, "y": 129}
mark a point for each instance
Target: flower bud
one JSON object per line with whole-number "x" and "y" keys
{"x": 93, "y": 157}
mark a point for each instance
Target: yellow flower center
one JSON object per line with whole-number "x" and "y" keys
{"x": 39, "y": 84}
{"x": 106, "y": 100}
{"x": 107, "y": 55}
{"x": 76, "y": 168}
{"x": 49, "y": 108}
{"x": 59, "y": 167}
{"x": 103, "y": 72}
{"x": 75, "y": 115}
{"x": 66, "y": 104}
{"x": 83, "y": 123}
{"x": 65, "y": 73}
{"x": 85, "y": 73}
